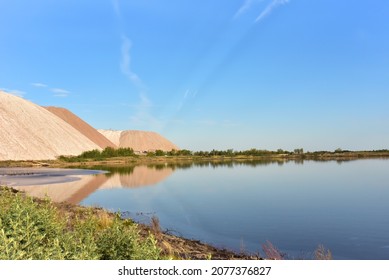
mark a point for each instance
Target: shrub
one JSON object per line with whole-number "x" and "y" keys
{"x": 321, "y": 253}
{"x": 108, "y": 152}
{"x": 91, "y": 154}
{"x": 31, "y": 230}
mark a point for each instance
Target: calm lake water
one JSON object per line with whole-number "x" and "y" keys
{"x": 295, "y": 205}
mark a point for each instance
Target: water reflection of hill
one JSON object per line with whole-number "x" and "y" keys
{"x": 130, "y": 177}
{"x": 119, "y": 177}
{"x": 139, "y": 176}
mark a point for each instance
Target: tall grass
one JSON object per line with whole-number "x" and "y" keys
{"x": 31, "y": 230}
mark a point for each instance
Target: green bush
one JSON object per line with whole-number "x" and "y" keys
{"x": 91, "y": 154}
{"x": 160, "y": 153}
{"x": 108, "y": 152}
{"x": 121, "y": 242}
{"x": 31, "y": 230}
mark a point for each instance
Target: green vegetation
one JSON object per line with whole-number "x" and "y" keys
{"x": 296, "y": 153}
{"x": 108, "y": 152}
{"x": 128, "y": 155}
{"x": 214, "y": 153}
{"x": 29, "y": 230}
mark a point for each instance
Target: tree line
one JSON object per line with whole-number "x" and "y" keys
{"x": 110, "y": 152}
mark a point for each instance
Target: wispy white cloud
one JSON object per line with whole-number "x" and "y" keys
{"x": 14, "y": 91}
{"x": 59, "y": 92}
{"x": 270, "y": 7}
{"x": 40, "y": 85}
{"x": 125, "y": 63}
{"x": 247, "y": 4}
{"x": 143, "y": 115}
{"x": 61, "y": 95}
{"x": 189, "y": 94}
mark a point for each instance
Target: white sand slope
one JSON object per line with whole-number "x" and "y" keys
{"x": 112, "y": 135}
{"x": 138, "y": 140}
{"x": 30, "y": 132}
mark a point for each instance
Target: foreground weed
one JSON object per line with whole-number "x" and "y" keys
{"x": 31, "y": 230}
{"x": 272, "y": 252}
{"x": 321, "y": 253}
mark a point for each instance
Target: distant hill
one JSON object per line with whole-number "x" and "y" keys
{"x": 140, "y": 141}
{"x": 81, "y": 126}
{"x": 30, "y": 132}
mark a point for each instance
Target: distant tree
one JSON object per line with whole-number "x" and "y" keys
{"x": 124, "y": 152}
{"x": 160, "y": 153}
{"x": 108, "y": 152}
{"x": 184, "y": 152}
{"x": 299, "y": 151}
{"x": 172, "y": 153}
{"x": 91, "y": 154}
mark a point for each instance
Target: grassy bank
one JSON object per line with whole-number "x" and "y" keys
{"x": 126, "y": 156}
{"x": 40, "y": 229}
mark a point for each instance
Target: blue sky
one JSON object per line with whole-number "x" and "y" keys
{"x": 239, "y": 74}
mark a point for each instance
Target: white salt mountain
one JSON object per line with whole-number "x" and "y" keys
{"x": 139, "y": 141}
{"x": 30, "y": 132}
{"x": 81, "y": 126}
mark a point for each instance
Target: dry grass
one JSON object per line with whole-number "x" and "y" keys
{"x": 155, "y": 226}
{"x": 321, "y": 253}
{"x": 272, "y": 252}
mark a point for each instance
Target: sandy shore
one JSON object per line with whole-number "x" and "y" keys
{"x": 41, "y": 176}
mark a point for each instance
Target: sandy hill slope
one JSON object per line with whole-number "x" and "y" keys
{"x": 139, "y": 140}
{"x": 81, "y": 126}
{"x": 30, "y": 132}
{"x": 112, "y": 135}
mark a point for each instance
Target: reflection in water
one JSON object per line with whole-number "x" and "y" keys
{"x": 72, "y": 192}
{"x": 77, "y": 190}
{"x": 139, "y": 177}
{"x": 74, "y": 187}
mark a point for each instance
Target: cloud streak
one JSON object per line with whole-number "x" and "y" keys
{"x": 189, "y": 94}
{"x": 39, "y": 85}
{"x": 270, "y": 7}
{"x": 143, "y": 115}
{"x": 59, "y": 92}
{"x": 14, "y": 91}
{"x": 125, "y": 64}
{"x": 246, "y": 6}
